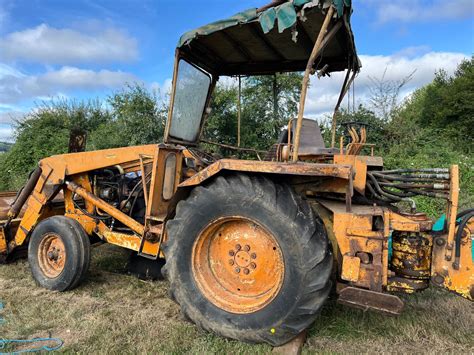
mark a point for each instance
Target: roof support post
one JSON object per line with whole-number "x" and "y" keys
{"x": 239, "y": 110}
{"x": 344, "y": 90}
{"x": 304, "y": 88}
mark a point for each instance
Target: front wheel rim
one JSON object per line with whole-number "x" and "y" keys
{"x": 238, "y": 264}
{"x": 51, "y": 255}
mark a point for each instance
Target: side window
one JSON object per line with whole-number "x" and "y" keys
{"x": 192, "y": 86}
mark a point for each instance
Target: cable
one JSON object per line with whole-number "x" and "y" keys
{"x": 5, "y": 342}
{"x": 101, "y": 218}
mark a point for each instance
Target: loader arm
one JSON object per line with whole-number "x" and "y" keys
{"x": 48, "y": 179}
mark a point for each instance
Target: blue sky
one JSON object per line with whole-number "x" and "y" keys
{"x": 89, "y": 48}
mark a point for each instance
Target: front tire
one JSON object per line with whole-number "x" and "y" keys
{"x": 59, "y": 253}
{"x": 248, "y": 259}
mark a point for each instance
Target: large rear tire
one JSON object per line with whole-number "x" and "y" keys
{"x": 248, "y": 259}
{"x": 59, "y": 253}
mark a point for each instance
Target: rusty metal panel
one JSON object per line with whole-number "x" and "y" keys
{"x": 444, "y": 274}
{"x": 76, "y": 163}
{"x": 350, "y": 268}
{"x": 128, "y": 241}
{"x": 157, "y": 205}
{"x": 360, "y": 169}
{"x": 3, "y": 241}
{"x": 304, "y": 169}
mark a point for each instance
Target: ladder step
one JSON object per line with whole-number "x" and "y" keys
{"x": 370, "y": 300}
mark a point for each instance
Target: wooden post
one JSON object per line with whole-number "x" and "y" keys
{"x": 239, "y": 111}
{"x": 304, "y": 87}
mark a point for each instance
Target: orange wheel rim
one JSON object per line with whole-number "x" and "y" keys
{"x": 52, "y": 255}
{"x": 238, "y": 265}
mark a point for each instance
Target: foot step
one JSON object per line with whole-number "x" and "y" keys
{"x": 370, "y": 300}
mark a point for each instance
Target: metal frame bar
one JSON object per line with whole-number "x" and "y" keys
{"x": 345, "y": 88}
{"x": 304, "y": 89}
{"x": 104, "y": 206}
{"x": 452, "y": 209}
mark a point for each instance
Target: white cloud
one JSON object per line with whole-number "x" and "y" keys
{"x": 16, "y": 87}
{"x": 162, "y": 89}
{"x": 8, "y": 117}
{"x": 323, "y": 93}
{"x": 6, "y": 133}
{"x": 49, "y": 45}
{"x": 420, "y": 10}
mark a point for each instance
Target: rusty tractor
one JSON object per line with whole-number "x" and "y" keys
{"x": 253, "y": 248}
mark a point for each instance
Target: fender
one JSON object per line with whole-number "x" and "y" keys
{"x": 269, "y": 167}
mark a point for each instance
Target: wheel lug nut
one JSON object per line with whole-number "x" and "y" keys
{"x": 237, "y": 269}
{"x": 246, "y": 271}
{"x": 253, "y": 256}
{"x": 231, "y": 253}
{"x": 231, "y": 262}
{"x": 253, "y": 265}
{"x": 247, "y": 247}
{"x": 238, "y": 247}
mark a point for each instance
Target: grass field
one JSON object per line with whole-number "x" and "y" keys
{"x": 114, "y": 312}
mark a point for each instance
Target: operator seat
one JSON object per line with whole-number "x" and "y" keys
{"x": 311, "y": 140}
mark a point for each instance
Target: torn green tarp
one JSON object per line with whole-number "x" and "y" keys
{"x": 299, "y": 3}
{"x": 339, "y": 5}
{"x": 267, "y": 20}
{"x": 241, "y": 17}
{"x": 285, "y": 15}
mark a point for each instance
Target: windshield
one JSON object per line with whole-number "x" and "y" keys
{"x": 192, "y": 87}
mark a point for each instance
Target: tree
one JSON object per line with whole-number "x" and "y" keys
{"x": 134, "y": 116}
{"x": 44, "y": 132}
{"x": 448, "y": 105}
{"x": 137, "y": 118}
{"x": 384, "y": 95}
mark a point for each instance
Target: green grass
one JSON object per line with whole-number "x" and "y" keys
{"x": 113, "y": 312}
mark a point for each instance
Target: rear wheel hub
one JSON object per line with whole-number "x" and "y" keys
{"x": 238, "y": 265}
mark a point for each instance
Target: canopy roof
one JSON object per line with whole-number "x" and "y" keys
{"x": 278, "y": 37}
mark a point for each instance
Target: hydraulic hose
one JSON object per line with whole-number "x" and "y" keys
{"x": 463, "y": 213}
{"x": 457, "y": 253}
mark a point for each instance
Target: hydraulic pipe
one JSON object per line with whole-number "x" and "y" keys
{"x": 25, "y": 192}
{"x": 104, "y": 206}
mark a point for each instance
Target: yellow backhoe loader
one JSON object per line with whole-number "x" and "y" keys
{"x": 253, "y": 248}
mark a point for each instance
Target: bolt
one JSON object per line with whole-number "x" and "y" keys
{"x": 440, "y": 242}
{"x": 253, "y": 256}
{"x": 231, "y": 262}
{"x": 246, "y": 271}
{"x": 253, "y": 265}
{"x": 231, "y": 253}
{"x": 237, "y": 269}
{"x": 247, "y": 247}
{"x": 438, "y": 279}
{"x": 238, "y": 247}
